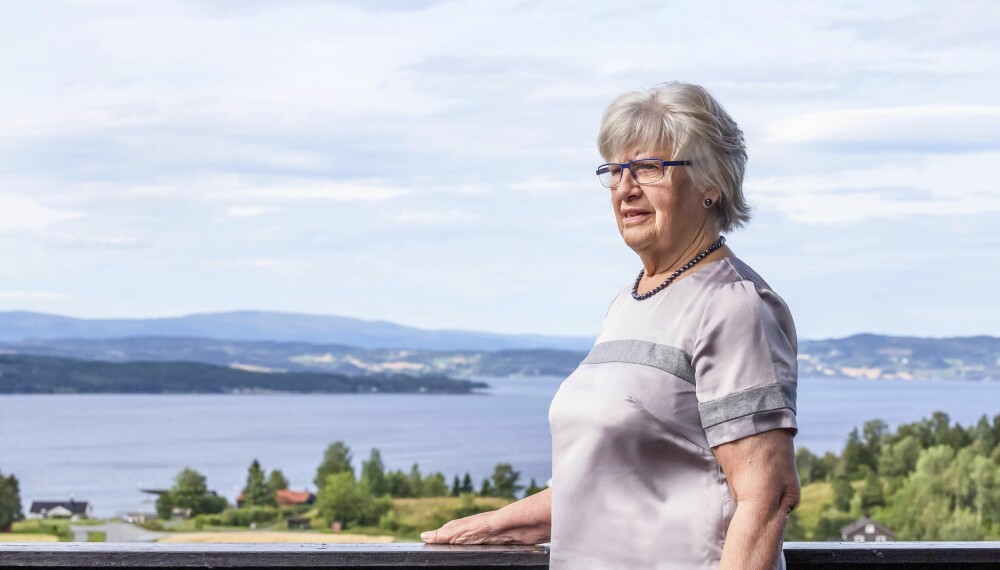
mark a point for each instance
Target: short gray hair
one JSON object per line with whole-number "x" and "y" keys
{"x": 688, "y": 120}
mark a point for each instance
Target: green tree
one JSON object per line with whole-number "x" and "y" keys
{"x": 10, "y": 501}
{"x": 533, "y": 488}
{"x": 398, "y": 484}
{"x": 843, "y": 492}
{"x": 806, "y": 463}
{"x": 505, "y": 481}
{"x": 467, "y": 486}
{"x": 256, "y": 492}
{"x": 456, "y": 487}
{"x": 416, "y": 481}
{"x": 276, "y": 481}
{"x": 872, "y": 494}
{"x": 434, "y": 485}
{"x": 373, "y": 473}
{"x": 336, "y": 459}
{"x": 874, "y": 432}
{"x": 190, "y": 492}
{"x": 486, "y": 490}
{"x": 344, "y": 499}
{"x": 855, "y": 455}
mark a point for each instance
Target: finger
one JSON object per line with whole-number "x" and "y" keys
{"x": 429, "y": 536}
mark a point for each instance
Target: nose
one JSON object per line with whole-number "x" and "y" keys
{"x": 627, "y": 186}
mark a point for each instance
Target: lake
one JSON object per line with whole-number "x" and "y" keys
{"x": 104, "y": 448}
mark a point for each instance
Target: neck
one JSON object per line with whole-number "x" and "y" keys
{"x": 667, "y": 261}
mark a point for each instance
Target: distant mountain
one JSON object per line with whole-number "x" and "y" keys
{"x": 306, "y": 357}
{"x": 273, "y": 326}
{"x": 902, "y": 357}
{"x": 20, "y": 374}
{"x": 858, "y": 356}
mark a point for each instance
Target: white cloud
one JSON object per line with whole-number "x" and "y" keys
{"x": 31, "y": 296}
{"x": 247, "y": 211}
{"x": 20, "y": 213}
{"x": 541, "y": 185}
{"x": 300, "y": 189}
{"x": 97, "y": 241}
{"x": 941, "y": 185}
{"x": 927, "y": 127}
{"x": 432, "y": 217}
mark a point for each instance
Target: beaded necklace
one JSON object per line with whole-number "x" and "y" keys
{"x": 688, "y": 265}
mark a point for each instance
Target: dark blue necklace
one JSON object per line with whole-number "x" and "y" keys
{"x": 688, "y": 265}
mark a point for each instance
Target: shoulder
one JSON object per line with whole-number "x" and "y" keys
{"x": 737, "y": 296}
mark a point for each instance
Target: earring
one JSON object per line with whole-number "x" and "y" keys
{"x": 708, "y": 201}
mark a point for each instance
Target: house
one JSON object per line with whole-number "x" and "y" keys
{"x": 866, "y": 530}
{"x": 286, "y": 498}
{"x": 71, "y": 509}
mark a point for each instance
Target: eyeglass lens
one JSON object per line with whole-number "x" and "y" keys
{"x": 643, "y": 171}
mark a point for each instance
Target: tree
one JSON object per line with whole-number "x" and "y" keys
{"x": 434, "y": 485}
{"x": 10, "y": 501}
{"x": 874, "y": 432}
{"x": 805, "y": 463}
{"x": 486, "y": 490}
{"x": 373, "y": 473}
{"x": 467, "y": 486}
{"x": 416, "y": 481}
{"x": 398, "y": 484}
{"x": 336, "y": 459}
{"x": 343, "y": 499}
{"x": 505, "y": 481}
{"x": 854, "y": 455}
{"x": 843, "y": 492}
{"x": 277, "y": 481}
{"x": 533, "y": 488}
{"x": 456, "y": 487}
{"x": 190, "y": 492}
{"x": 872, "y": 494}
{"x": 256, "y": 492}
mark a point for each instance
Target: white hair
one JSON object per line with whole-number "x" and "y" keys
{"x": 686, "y": 119}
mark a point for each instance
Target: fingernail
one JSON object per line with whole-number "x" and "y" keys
{"x": 425, "y": 536}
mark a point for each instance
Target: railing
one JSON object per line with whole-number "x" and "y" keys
{"x": 799, "y": 555}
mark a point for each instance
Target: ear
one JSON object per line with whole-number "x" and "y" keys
{"x": 711, "y": 193}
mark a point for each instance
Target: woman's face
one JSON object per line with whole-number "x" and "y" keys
{"x": 661, "y": 216}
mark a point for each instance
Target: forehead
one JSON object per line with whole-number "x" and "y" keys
{"x": 644, "y": 150}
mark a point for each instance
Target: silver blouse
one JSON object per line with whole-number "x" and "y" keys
{"x": 708, "y": 360}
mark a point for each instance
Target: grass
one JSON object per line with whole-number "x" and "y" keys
{"x": 27, "y": 537}
{"x": 97, "y": 536}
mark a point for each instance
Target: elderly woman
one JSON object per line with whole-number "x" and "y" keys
{"x": 672, "y": 441}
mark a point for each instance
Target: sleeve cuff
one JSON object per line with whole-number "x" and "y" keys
{"x": 751, "y": 424}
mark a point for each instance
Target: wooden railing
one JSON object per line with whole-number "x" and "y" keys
{"x": 799, "y": 555}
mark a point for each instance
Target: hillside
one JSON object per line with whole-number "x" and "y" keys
{"x": 20, "y": 374}
{"x": 274, "y": 326}
{"x": 859, "y": 356}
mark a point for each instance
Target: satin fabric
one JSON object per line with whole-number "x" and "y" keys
{"x": 708, "y": 360}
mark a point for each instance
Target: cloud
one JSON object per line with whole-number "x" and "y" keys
{"x": 940, "y": 128}
{"x": 96, "y": 242}
{"x": 937, "y": 185}
{"x": 20, "y": 213}
{"x": 31, "y": 296}
{"x": 247, "y": 211}
{"x": 541, "y": 185}
{"x": 432, "y": 217}
{"x": 300, "y": 189}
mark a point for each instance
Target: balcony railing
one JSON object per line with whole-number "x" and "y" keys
{"x": 799, "y": 555}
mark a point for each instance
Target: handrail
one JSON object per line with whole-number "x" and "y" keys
{"x": 798, "y": 555}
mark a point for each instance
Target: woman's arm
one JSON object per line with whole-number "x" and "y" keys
{"x": 764, "y": 481}
{"x": 528, "y": 521}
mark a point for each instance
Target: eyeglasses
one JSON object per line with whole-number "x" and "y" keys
{"x": 643, "y": 170}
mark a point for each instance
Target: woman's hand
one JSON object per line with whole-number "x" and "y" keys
{"x": 528, "y": 521}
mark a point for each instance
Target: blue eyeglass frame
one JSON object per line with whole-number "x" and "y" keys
{"x": 628, "y": 165}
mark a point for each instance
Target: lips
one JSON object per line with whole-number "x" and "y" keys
{"x": 634, "y": 216}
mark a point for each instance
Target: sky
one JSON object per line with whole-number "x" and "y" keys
{"x": 431, "y": 163}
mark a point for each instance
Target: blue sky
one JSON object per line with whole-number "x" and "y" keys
{"x": 431, "y": 163}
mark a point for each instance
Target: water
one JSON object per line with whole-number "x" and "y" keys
{"x": 104, "y": 448}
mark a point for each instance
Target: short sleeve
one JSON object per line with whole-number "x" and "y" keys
{"x": 744, "y": 363}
